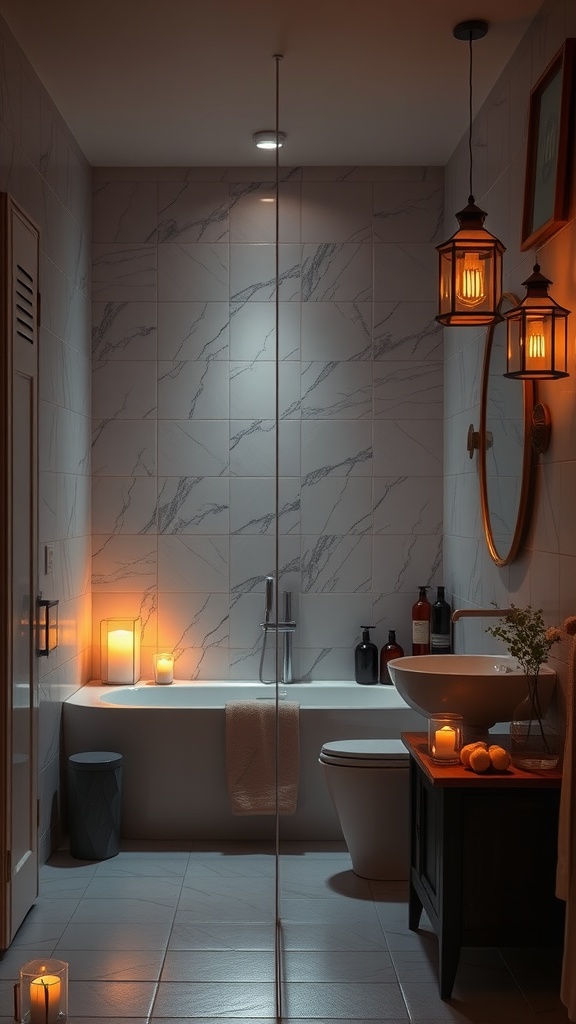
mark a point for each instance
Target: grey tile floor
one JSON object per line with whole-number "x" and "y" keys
{"x": 175, "y": 934}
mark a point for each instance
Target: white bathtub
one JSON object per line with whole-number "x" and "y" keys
{"x": 172, "y": 739}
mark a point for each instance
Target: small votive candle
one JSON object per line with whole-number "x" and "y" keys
{"x": 445, "y": 738}
{"x": 163, "y": 668}
{"x": 43, "y": 992}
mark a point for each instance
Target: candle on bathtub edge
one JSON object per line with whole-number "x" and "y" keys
{"x": 120, "y": 656}
{"x": 445, "y": 742}
{"x": 164, "y": 668}
{"x": 45, "y": 999}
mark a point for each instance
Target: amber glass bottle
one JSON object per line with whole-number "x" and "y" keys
{"x": 390, "y": 650}
{"x": 421, "y": 613}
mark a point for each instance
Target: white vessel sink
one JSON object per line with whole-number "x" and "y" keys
{"x": 483, "y": 688}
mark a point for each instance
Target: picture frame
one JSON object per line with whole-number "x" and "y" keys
{"x": 550, "y": 149}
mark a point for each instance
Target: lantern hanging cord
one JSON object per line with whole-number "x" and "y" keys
{"x": 471, "y": 199}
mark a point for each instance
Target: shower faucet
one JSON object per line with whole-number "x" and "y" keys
{"x": 287, "y": 627}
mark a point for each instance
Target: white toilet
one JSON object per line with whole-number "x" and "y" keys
{"x": 368, "y": 783}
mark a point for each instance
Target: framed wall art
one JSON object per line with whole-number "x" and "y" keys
{"x": 550, "y": 149}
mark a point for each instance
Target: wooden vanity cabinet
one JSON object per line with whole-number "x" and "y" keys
{"x": 482, "y": 857}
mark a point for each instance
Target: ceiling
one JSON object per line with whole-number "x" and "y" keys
{"x": 188, "y": 82}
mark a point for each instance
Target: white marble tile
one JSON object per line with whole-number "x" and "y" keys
{"x": 124, "y": 505}
{"x": 124, "y": 390}
{"x": 405, "y": 504}
{"x": 253, "y": 505}
{"x": 402, "y": 446}
{"x": 112, "y": 966}
{"x": 124, "y": 563}
{"x": 193, "y": 272}
{"x": 193, "y": 447}
{"x": 403, "y": 563}
{"x": 192, "y": 621}
{"x": 253, "y": 558}
{"x": 336, "y": 390}
{"x": 336, "y": 448}
{"x": 407, "y": 330}
{"x": 336, "y": 211}
{"x": 253, "y": 448}
{"x": 333, "y": 564}
{"x": 227, "y": 965}
{"x": 195, "y": 565}
{"x": 253, "y": 330}
{"x": 124, "y": 448}
{"x": 193, "y": 388}
{"x": 124, "y": 330}
{"x": 340, "y": 272}
{"x": 193, "y": 211}
{"x": 411, "y": 390}
{"x": 124, "y": 272}
{"x": 253, "y": 385}
{"x": 336, "y": 330}
{"x": 409, "y": 211}
{"x": 193, "y": 504}
{"x": 332, "y": 620}
{"x": 337, "y": 505}
{"x": 402, "y": 271}
{"x": 253, "y": 212}
{"x": 124, "y": 211}
{"x": 246, "y": 614}
{"x": 253, "y": 272}
{"x": 193, "y": 330}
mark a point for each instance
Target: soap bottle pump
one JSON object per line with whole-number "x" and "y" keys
{"x": 366, "y": 658}
{"x": 390, "y": 650}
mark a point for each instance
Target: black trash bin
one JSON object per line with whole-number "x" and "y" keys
{"x": 94, "y": 796}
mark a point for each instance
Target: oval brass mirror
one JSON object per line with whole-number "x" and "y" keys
{"x": 506, "y": 457}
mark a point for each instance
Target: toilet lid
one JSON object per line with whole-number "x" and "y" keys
{"x": 370, "y": 753}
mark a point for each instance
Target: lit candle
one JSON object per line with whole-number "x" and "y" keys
{"x": 164, "y": 668}
{"x": 45, "y": 999}
{"x": 445, "y": 742}
{"x": 120, "y": 656}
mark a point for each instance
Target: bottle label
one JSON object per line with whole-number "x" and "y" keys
{"x": 420, "y": 631}
{"x": 440, "y": 641}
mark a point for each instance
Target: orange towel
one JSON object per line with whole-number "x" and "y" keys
{"x": 251, "y": 756}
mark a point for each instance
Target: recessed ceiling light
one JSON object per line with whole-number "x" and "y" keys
{"x": 267, "y": 140}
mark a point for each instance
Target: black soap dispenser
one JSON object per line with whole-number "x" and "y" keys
{"x": 366, "y": 658}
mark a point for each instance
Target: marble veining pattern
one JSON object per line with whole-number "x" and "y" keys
{"x": 188, "y": 432}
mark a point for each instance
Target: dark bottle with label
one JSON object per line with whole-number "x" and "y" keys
{"x": 390, "y": 651}
{"x": 366, "y": 659}
{"x": 421, "y": 614}
{"x": 440, "y": 626}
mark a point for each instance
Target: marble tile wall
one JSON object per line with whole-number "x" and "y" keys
{"x": 44, "y": 170}
{"x": 545, "y": 573}
{"x": 184, "y": 380}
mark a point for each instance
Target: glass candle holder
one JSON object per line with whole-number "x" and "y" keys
{"x": 163, "y": 668}
{"x": 445, "y": 738}
{"x": 43, "y": 992}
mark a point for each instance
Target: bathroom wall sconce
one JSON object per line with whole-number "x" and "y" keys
{"x": 470, "y": 271}
{"x": 120, "y": 650}
{"x": 537, "y": 334}
{"x": 41, "y": 994}
{"x": 269, "y": 139}
{"x": 47, "y": 626}
{"x": 541, "y": 428}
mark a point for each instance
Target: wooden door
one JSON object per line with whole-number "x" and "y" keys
{"x": 19, "y": 256}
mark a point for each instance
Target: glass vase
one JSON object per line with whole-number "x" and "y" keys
{"x": 534, "y": 742}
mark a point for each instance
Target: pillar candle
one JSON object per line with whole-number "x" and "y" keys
{"x": 45, "y": 999}
{"x": 445, "y": 742}
{"x": 120, "y": 656}
{"x": 164, "y": 669}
